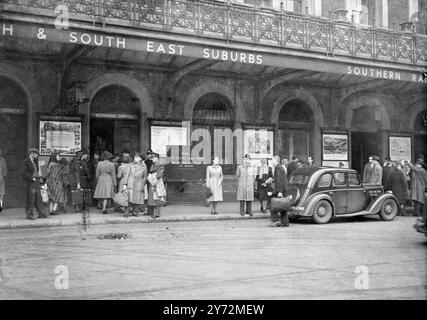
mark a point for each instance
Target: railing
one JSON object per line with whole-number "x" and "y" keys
{"x": 249, "y": 24}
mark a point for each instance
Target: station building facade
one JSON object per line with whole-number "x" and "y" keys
{"x": 133, "y": 74}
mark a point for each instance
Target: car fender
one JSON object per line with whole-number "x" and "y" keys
{"x": 375, "y": 206}
{"x": 311, "y": 202}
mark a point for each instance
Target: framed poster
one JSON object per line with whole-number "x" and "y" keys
{"x": 335, "y": 147}
{"x": 400, "y": 148}
{"x": 64, "y": 137}
{"x": 258, "y": 143}
{"x": 163, "y": 136}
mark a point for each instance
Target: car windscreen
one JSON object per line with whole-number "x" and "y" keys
{"x": 299, "y": 179}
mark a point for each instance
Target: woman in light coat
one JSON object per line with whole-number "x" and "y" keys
{"x": 214, "y": 179}
{"x": 3, "y": 174}
{"x": 134, "y": 183}
{"x": 106, "y": 177}
{"x": 245, "y": 176}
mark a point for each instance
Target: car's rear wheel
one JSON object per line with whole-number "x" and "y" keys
{"x": 322, "y": 212}
{"x": 389, "y": 209}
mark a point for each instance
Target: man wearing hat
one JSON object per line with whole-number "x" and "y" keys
{"x": 386, "y": 178}
{"x": 33, "y": 177}
{"x": 245, "y": 175}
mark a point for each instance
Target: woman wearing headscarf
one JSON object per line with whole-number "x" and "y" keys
{"x": 53, "y": 161}
{"x": 106, "y": 176}
{"x": 134, "y": 182}
{"x": 155, "y": 183}
{"x": 264, "y": 174}
{"x": 56, "y": 183}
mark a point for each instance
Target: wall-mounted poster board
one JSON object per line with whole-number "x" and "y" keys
{"x": 400, "y": 148}
{"x": 162, "y": 136}
{"x": 64, "y": 137}
{"x": 258, "y": 143}
{"x": 335, "y": 147}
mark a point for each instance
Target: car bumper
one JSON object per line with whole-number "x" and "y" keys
{"x": 298, "y": 211}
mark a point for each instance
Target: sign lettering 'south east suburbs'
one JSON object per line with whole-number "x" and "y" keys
{"x": 200, "y": 51}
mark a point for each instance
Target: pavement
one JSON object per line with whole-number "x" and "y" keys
{"x": 15, "y": 218}
{"x": 363, "y": 258}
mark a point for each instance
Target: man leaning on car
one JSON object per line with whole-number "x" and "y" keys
{"x": 280, "y": 186}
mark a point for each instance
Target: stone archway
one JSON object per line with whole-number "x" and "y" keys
{"x": 365, "y": 116}
{"x": 357, "y": 100}
{"x": 19, "y": 99}
{"x": 316, "y": 117}
{"x": 121, "y": 79}
{"x": 34, "y": 100}
{"x": 413, "y": 111}
{"x": 214, "y": 87}
{"x": 133, "y": 85}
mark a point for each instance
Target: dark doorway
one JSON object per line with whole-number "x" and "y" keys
{"x": 113, "y": 135}
{"x": 363, "y": 144}
{"x": 13, "y": 139}
{"x": 420, "y": 136}
{"x": 101, "y": 135}
{"x": 13, "y": 142}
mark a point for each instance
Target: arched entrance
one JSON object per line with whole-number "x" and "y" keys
{"x": 295, "y": 130}
{"x": 420, "y": 135}
{"x": 215, "y": 111}
{"x": 13, "y": 138}
{"x": 115, "y": 115}
{"x": 368, "y": 135}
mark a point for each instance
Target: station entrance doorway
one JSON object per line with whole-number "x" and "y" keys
{"x": 115, "y": 121}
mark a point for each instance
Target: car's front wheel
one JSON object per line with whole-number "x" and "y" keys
{"x": 322, "y": 212}
{"x": 389, "y": 209}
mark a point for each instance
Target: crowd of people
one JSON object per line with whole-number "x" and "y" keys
{"x": 138, "y": 178}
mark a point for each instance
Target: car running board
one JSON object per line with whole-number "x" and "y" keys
{"x": 360, "y": 213}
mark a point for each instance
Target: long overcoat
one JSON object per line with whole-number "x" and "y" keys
{"x": 214, "y": 179}
{"x": 417, "y": 186}
{"x": 245, "y": 176}
{"x": 106, "y": 176}
{"x": 3, "y": 174}
{"x": 398, "y": 184}
{"x": 135, "y": 180}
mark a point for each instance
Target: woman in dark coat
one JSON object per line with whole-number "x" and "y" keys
{"x": 156, "y": 172}
{"x": 264, "y": 174}
{"x": 56, "y": 182}
{"x": 397, "y": 183}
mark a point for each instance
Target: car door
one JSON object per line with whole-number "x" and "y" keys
{"x": 338, "y": 192}
{"x": 356, "y": 195}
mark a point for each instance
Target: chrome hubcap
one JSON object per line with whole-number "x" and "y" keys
{"x": 321, "y": 212}
{"x": 388, "y": 209}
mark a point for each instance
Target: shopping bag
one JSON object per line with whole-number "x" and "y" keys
{"x": 160, "y": 188}
{"x": 44, "y": 193}
{"x": 280, "y": 204}
{"x": 121, "y": 198}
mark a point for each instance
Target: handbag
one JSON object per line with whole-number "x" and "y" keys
{"x": 121, "y": 198}
{"x": 208, "y": 192}
{"x": 77, "y": 197}
{"x": 280, "y": 204}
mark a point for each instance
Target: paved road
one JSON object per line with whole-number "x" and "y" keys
{"x": 218, "y": 260}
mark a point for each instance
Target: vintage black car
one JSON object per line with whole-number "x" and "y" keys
{"x": 323, "y": 193}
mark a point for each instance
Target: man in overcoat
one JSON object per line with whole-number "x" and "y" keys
{"x": 245, "y": 176}
{"x": 33, "y": 178}
{"x": 280, "y": 187}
